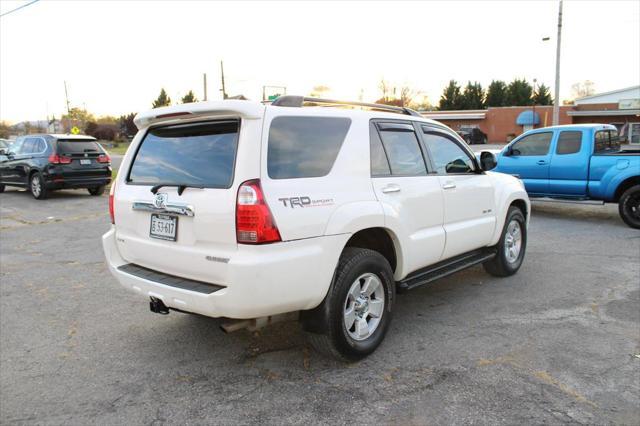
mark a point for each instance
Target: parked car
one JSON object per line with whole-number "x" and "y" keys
{"x": 577, "y": 162}
{"x": 43, "y": 163}
{"x": 4, "y": 144}
{"x": 247, "y": 211}
{"x": 472, "y": 135}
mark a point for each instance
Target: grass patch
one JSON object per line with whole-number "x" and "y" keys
{"x": 120, "y": 149}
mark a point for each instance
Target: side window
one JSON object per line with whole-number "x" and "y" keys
{"x": 401, "y": 145}
{"x": 535, "y": 144}
{"x": 29, "y": 146}
{"x": 16, "y": 147}
{"x": 379, "y": 162}
{"x": 301, "y": 147}
{"x": 446, "y": 154}
{"x": 569, "y": 142}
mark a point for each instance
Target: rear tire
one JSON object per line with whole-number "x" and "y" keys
{"x": 629, "y": 207}
{"x": 512, "y": 245}
{"x": 37, "y": 187}
{"x": 356, "y": 312}
{"x": 96, "y": 190}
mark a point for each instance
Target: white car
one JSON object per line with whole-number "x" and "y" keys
{"x": 246, "y": 211}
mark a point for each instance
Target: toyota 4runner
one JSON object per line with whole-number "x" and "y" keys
{"x": 247, "y": 211}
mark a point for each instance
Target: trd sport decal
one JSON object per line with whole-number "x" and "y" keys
{"x": 294, "y": 202}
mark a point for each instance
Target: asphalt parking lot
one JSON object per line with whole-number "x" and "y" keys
{"x": 557, "y": 343}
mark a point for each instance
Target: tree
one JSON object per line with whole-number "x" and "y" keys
{"x": 189, "y": 98}
{"x": 319, "y": 91}
{"x": 4, "y": 130}
{"x": 451, "y": 98}
{"x": 163, "y": 100}
{"x": 519, "y": 93}
{"x": 496, "y": 94}
{"x": 582, "y": 89}
{"x": 406, "y": 96}
{"x": 127, "y": 126}
{"x": 385, "y": 88}
{"x": 473, "y": 96}
{"x": 542, "y": 96}
{"x": 77, "y": 117}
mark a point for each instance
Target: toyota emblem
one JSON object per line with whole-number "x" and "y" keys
{"x": 160, "y": 202}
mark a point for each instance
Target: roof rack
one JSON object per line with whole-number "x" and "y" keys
{"x": 299, "y": 101}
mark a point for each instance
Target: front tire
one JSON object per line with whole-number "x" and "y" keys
{"x": 512, "y": 245}
{"x": 37, "y": 187}
{"x": 356, "y": 312}
{"x": 96, "y": 190}
{"x": 629, "y": 207}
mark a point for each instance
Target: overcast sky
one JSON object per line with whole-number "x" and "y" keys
{"x": 116, "y": 55}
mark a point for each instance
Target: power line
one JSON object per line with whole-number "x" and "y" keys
{"x": 19, "y": 7}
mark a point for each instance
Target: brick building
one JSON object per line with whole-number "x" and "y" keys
{"x": 501, "y": 124}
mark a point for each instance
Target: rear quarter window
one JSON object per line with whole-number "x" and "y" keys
{"x": 303, "y": 147}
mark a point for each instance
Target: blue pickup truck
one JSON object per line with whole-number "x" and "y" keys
{"x": 576, "y": 162}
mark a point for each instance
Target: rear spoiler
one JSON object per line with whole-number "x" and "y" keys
{"x": 244, "y": 109}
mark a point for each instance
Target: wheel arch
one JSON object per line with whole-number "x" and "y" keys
{"x": 381, "y": 240}
{"x": 624, "y": 185}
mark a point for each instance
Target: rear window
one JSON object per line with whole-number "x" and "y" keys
{"x": 607, "y": 141}
{"x": 71, "y": 147}
{"x": 201, "y": 154}
{"x": 302, "y": 147}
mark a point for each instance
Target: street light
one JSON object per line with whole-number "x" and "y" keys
{"x": 533, "y": 118}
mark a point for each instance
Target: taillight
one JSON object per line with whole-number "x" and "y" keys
{"x": 254, "y": 222}
{"x": 112, "y": 211}
{"x": 104, "y": 158}
{"x": 59, "y": 159}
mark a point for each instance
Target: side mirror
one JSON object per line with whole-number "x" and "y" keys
{"x": 487, "y": 161}
{"x": 2, "y": 151}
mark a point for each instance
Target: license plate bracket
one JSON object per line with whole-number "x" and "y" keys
{"x": 163, "y": 227}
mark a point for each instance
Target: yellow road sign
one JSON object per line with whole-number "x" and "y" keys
{"x": 75, "y": 130}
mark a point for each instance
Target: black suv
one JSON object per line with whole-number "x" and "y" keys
{"x": 43, "y": 163}
{"x": 472, "y": 135}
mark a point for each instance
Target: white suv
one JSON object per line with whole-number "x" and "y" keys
{"x": 246, "y": 211}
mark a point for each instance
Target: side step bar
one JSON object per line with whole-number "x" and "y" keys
{"x": 445, "y": 268}
{"x": 568, "y": 201}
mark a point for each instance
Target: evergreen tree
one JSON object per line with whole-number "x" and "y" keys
{"x": 189, "y": 98}
{"x": 473, "y": 96}
{"x": 451, "y": 98}
{"x": 519, "y": 93}
{"x": 163, "y": 100}
{"x": 497, "y": 94}
{"x": 542, "y": 96}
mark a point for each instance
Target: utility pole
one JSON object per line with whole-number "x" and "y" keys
{"x": 556, "y": 103}
{"x": 205, "y": 85}
{"x": 533, "y": 119}
{"x": 66, "y": 95}
{"x": 224, "y": 92}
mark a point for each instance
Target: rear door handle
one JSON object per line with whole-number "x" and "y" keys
{"x": 391, "y": 188}
{"x": 449, "y": 185}
{"x": 542, "y": 162}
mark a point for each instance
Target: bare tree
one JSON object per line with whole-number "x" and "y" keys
{"x": 582, "y": 89}
{"x": 319, "y": 91}
{"x": 407, "y": 94}
{"x": 385, "y": 88}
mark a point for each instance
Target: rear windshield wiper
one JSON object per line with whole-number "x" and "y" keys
{"x": 181, "y": 187}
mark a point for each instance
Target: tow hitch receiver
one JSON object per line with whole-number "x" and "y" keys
{"x": 157, "y": 306}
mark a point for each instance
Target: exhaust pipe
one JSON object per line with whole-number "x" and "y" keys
{"x": 156, "y": 305}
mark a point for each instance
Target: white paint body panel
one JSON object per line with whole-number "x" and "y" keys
{"x": 426, "y": 222}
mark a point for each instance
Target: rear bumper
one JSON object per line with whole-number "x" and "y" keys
{"x": 82, "y": 182}
{"x": 260, "y": 280}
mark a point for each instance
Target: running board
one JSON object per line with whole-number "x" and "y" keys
{"x": 568, "y": 201}
{"x": 445, "y": 268}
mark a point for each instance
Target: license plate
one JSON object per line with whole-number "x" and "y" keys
{"x": 85, "y": 162}
{"x": 163, "y": 227}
